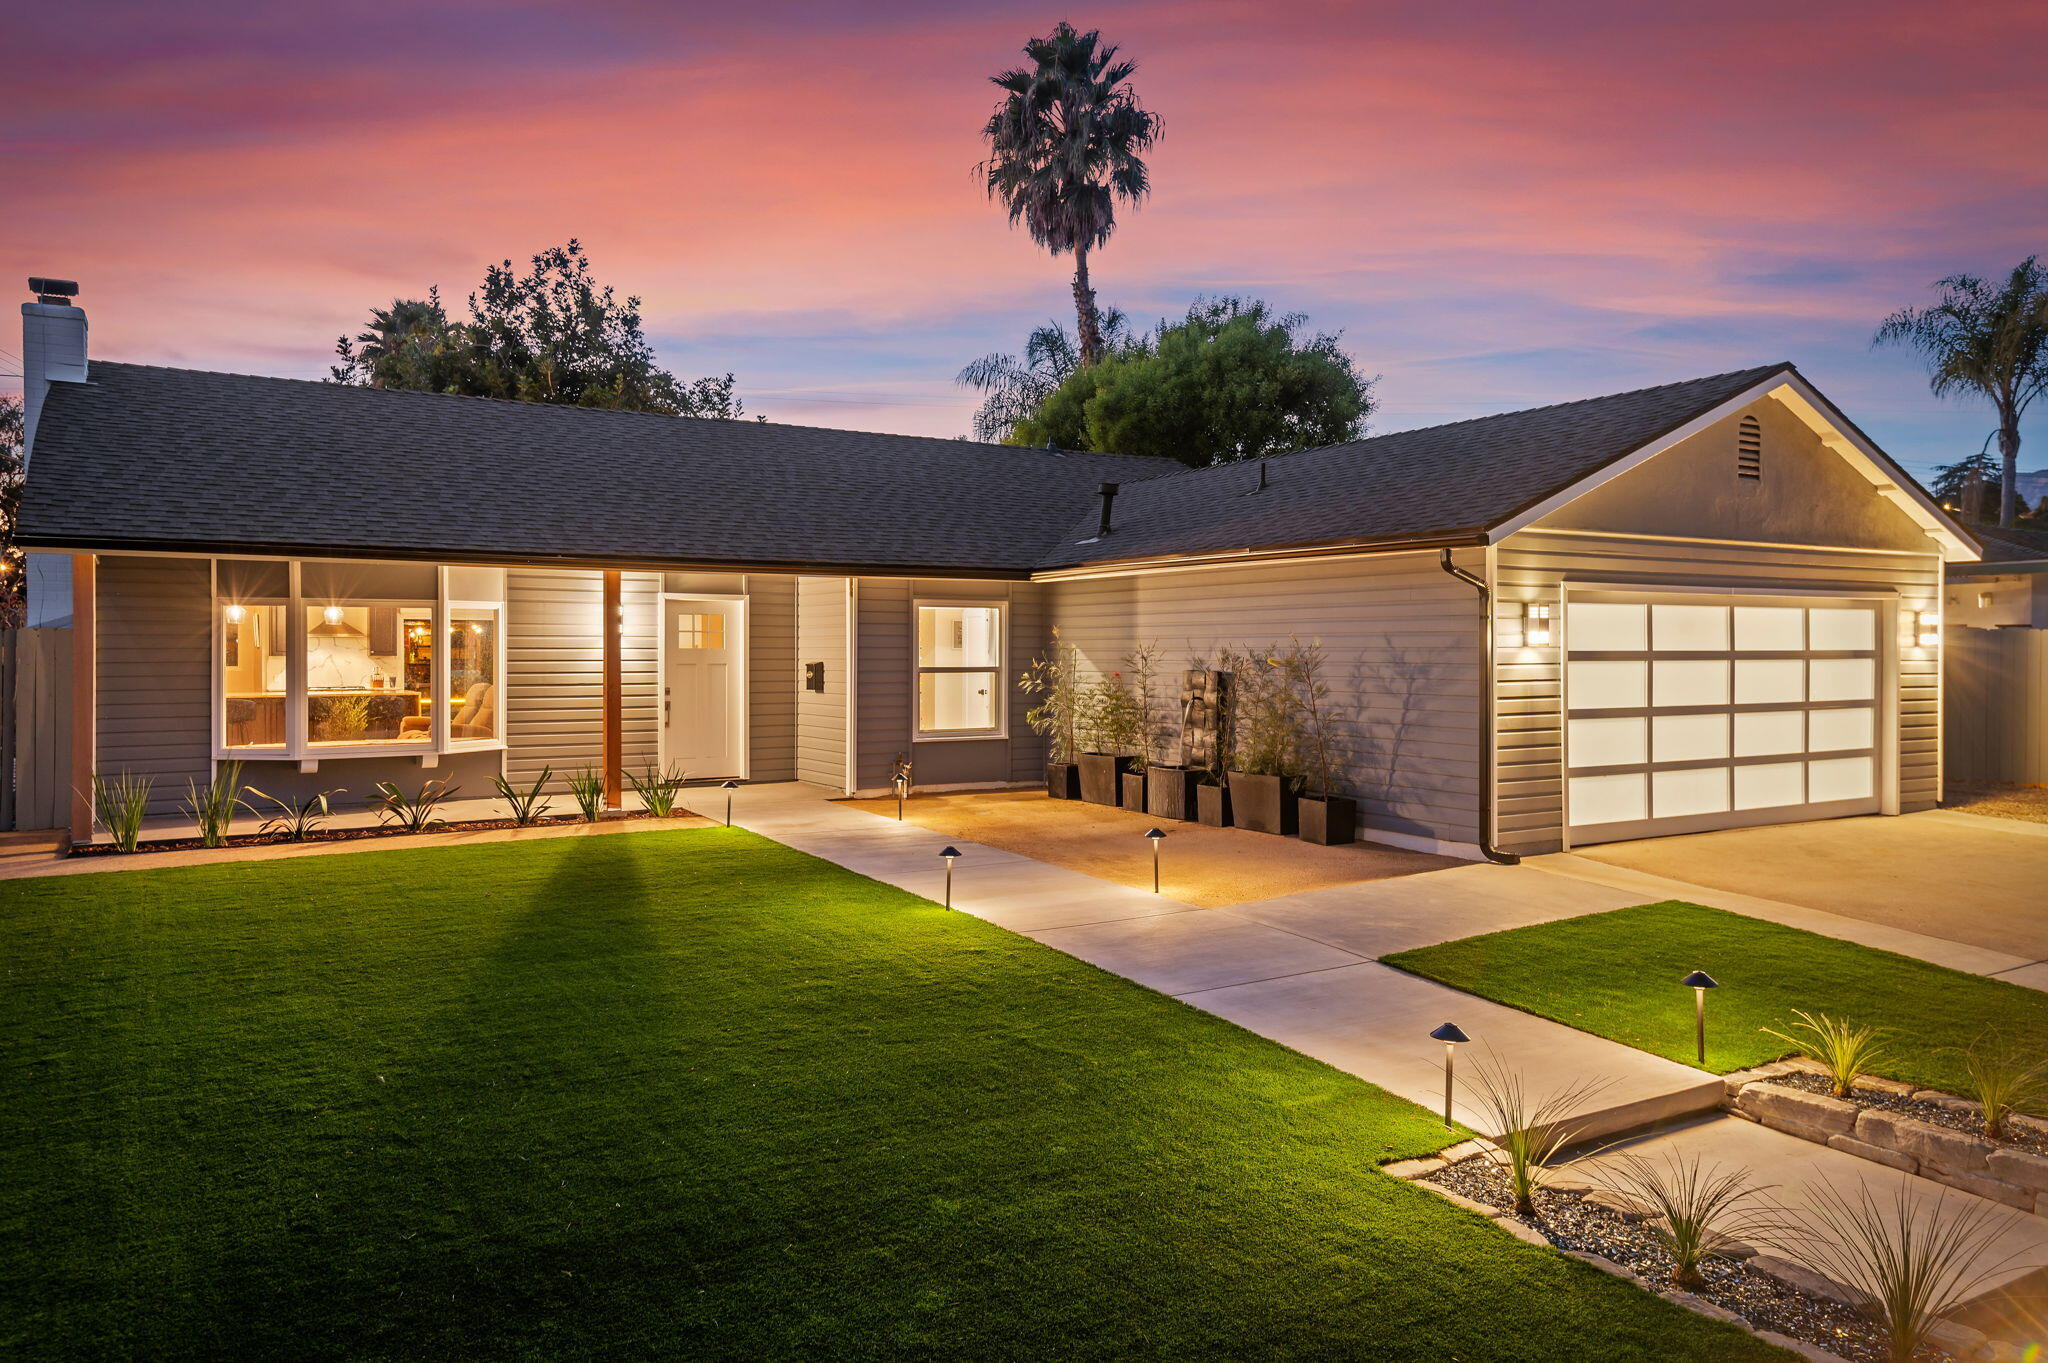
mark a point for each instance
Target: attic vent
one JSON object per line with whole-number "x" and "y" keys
{"x": 1749, "y": 449}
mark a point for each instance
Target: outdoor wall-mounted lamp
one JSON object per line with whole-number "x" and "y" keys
{"x": 1453, "y": 1037}
{"x": 1701, "y": 982}
{"x": 1536, "y": 624}
{"x": 1157, "y": 835}
{"x": 902, "y": 784}
{"x": 729, "y": 787}
{"x": 1926, "y": 628}
{"x": 949, "y": 856}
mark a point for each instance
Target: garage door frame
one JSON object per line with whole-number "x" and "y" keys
{"x": 1885, "y": 601}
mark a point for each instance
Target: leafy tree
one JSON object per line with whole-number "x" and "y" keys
{"x": 13, "y": 568}
{"x": 1989, "y": 338}
{"x": 1229, "y": 381}
{"x": 1066, "y": 142}
{"x": 551, "y": 335}
{"x": 1015, "y": 388}
{"x": 1961, "y": 486}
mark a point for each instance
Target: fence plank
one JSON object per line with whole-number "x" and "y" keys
{"x": 1996, "y": 717}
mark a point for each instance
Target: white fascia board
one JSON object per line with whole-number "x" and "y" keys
{"x": 1802, "y": 400}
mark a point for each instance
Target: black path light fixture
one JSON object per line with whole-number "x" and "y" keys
{"x": 1700, "y": 982}
{"x": 949, "y": 856}
{"x": 1453, "y": 1036}
{"x": 902, "y": 783}
{"x": 729, "y": 787}
{"x": 1157, "y": 835}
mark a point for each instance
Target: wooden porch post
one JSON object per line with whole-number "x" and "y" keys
{"x": 614, "y": 696}
{"x": 84, "y": 691}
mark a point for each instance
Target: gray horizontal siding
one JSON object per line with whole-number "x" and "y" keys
{"x": 554, "y": 671}
{"x": 1401, "y": 643}
{"x": 771, "y": 677}
{"x": 821, "y": 716}
{"x": 155, "y": 673}
{"x": 883, "y": 715}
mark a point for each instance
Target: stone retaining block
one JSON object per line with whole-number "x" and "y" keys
{"x": 1934, "y": 1146}
{"x": 1814, "y": 1116}
{"x": 1876, "y": 1154}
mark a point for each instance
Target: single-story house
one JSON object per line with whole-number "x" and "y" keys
{"x": 1706, "y": 604}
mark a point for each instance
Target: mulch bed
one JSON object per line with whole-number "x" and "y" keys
{"x": 2031, "y": 1137}
{"x": 107, "y": 849}
{"x": 1569, "y": 1221}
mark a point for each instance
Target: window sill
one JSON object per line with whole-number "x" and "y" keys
{"x": 356, "y": 751}
{"x": 976, "y": 737}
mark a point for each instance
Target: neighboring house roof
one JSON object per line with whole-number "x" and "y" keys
{"x": 151, "y": 458}
{"x": 2008, "y": 545}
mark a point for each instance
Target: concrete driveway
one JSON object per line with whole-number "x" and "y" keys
{"x": 1970, "y": 879}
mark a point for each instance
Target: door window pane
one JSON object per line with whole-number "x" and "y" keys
{"x": 1839, "y": 778}
{"x": 1844, "y": 679}
{"x": 1768, "y": 628}
{"x": 1695, "y": 682}
{"x": 252, "y": 676}
{"x": 1689, "y": 629}
{"x": 1608, "y": 799}
{"x": 369, "y": 674}
{"x": 1609, "y": 686}
{"x": 1838, "y": 630}
{"x": 1769, "y": 785}
{"x": 1597, "y": 625}
{"x": 1689, "y": 738}
{"x": 1606, "y": 742}
{"x": 473, "y": 697}
{"x": 1835, "y": 730}
{"x": 696, "y": 629}
{"x": 956, "y": 701}
{"x": 1674, "y": 794}
{"x": 1772, "y": 681}
{"x": 1769, "y": 732}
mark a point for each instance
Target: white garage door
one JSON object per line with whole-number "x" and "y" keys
{"x": 1683, "y": 716}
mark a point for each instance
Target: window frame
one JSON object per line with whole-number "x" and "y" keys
{"x": 1000, "y": 670}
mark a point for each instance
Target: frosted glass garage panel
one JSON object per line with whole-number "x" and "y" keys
{"x": 1770, "y": 785}
{"x": 1676, "y": 794}
{"x": 1836, "y": 730}
{"x": 1834, "y": 631}
{"x": 1608, "y": 685}
{"x": 1840, "y": 778}
{"x": 1608, "y": 799}
{"x": 1606, "y": 742}
{"x": 1689, "y": 629}
{"x": 1688, "y": 738}
{"x": 1765, "y": 629}
{"x": 1597, "y": 625}
{"x": 1769, "y": 681}
{"x": 1766, "y": 733}
{"x": 1843, "y": 679}
{"x": 1689, "y": 682}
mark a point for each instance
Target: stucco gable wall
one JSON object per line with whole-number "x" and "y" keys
{"x": 1808, "y": 494}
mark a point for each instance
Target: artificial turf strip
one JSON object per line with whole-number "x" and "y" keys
{"x": 1617, "y": 975}
{"x": 694, "y": 1094}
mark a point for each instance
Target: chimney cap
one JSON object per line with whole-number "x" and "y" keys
{"x": 52, "y": 290}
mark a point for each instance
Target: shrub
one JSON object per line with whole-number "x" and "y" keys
{"x": 658, "y": 789}
{"x": 119, "y": 804}
{"x": 587, "y": 788}
{"x": 2004, "y": 1078}
{"x": 296, "y": 819}
{"x": 213, "y": 805}
{"x": 1110, "y": 719}
{"x": 1531, "y": 1131}
{"x": 414, "y": 813}
{"x": 529, "y": 805}
{"x": 1843, "y": 1048}
{"x": 1308, "y": 697}
{"x": 1056, "y": 681}
{"x": 1262, "y": 729}
{"x": 1697, "y": 1211}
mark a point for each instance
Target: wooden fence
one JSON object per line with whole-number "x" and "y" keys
{"x": 1995, "y": 719}
{"x": 35, "y": 728}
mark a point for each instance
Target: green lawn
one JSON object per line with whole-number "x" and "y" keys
{"x": 1616, "y": 975}
{"x": 694, "y": 1094}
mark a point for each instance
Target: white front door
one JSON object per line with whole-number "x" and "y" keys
{"x": 703, "y": 668}
{"x": 1684, "y": 715}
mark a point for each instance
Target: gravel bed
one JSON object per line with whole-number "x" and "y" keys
{"x": 107, "y": 849}
{"x": 1568, "y": 1221}
{"x": 2017, "y": 1137}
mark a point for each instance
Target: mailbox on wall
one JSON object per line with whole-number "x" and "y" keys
{"x": 814, "y": 676}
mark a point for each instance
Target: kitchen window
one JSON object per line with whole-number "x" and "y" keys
{"x": 959, "y": 671}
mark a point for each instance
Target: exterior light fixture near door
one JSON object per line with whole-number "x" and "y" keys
{"x": 1537, "y": 629}
{"x": 235, "y": 614}
{"x": 1926, "y": 628}
{"x": 1453, "y": 1036}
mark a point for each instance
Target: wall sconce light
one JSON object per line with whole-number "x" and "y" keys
{"x": 1983, "y": 601}
{"x": 1926, "y": 628}
{"x": 1536, "y": 624}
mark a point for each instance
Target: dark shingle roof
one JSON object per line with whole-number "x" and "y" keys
{"x": 2016, "y": 544}
{"x": 177, "y": 458}
{"x": 1441, "y": 482}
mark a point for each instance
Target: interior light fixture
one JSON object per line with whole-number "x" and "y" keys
{"x": 235, "y": 614}
{"x": 1926, "y": 628}
{"x": 333, "y": 614}
{"x": 1536, "y": 624}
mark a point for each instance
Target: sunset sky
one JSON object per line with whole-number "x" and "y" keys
{"x": 1499, "y": 205}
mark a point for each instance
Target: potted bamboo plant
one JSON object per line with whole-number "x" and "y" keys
{"x": 1055, "y": 681}
{"x": 1326, "y": 816}
{"x": 1109, "y": 727}
{"x": 1169, "y": 785}
{"x": 1262, "y": 745}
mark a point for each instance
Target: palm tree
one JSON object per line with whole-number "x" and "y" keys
{"x": 1985, "y": 338}
{"x": 1065, "y": 144}
{"x": 1015, "y": 388}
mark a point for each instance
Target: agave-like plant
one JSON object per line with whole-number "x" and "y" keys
{"x": 1696, "y": 1208}
{"x": 587, "y": 786}
{"x": 1914, "y": 1261}
{"x": 299, "y": 818}
{"x": 212, "y": 806}
{"x": 1845, "y": 1049}
{"x": 119, "y": 804}
{"x": 2004, "y": 1078}
{"x": 415, "y": 812}
{"x": 1531, "y": 1130}
{"x": 528, "y": 805}
{"x": 659, "y": 789}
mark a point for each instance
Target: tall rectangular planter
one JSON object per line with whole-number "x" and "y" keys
{"x": 1063, "y": 781}
{"x": 1212, "y": 806}
{"x": 1134, "y": 791}
{"x": 1101, "y": 774}
{"x": 1328, "y": 820}
{"x": 1264, "y": 804}
{"x": 1170, "y": 793}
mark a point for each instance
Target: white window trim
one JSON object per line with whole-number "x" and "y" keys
{"x": 919, "y": 734}
{"x": 298, "y": 745}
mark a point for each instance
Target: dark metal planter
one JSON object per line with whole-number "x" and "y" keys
{"x": 1100, "y": 777}
{"x": 1264, "y": 804}
{"x": 1329, "y": 820}
{"x": 1134, "y": 791}
{"x": 1212, "y": 806}
{"x": 1170, "y": 793}
{"x": 1063, "y": 781}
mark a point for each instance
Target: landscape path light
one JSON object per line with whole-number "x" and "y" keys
{"x": 1453, "y": 1036}
{"x": 1701, "y": 982}
{"x": 902, "y": 784}
{"x": 729, "y": 787}
{"x": 949, "y": 856}
{"x": 1157, "y": 835}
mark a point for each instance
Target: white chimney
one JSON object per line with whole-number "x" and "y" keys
{"x": 52, "y": 349}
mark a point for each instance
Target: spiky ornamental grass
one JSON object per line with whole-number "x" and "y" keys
{"x": 527, "y": 804}
{"x": 1846, "y": 1049}
{"x": 299, "y": 818}
{"x": 414, "y": 812}
{"x": 1698, "y": 1208}
{"x": 658, "y": 789}
{"x": 2004, "y": 1077}
{"x": 212, "y": 806}
{"x": 1528, "y": 1131}
{"x": 119, "y": 804}
{"x": 586, "y": 787}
